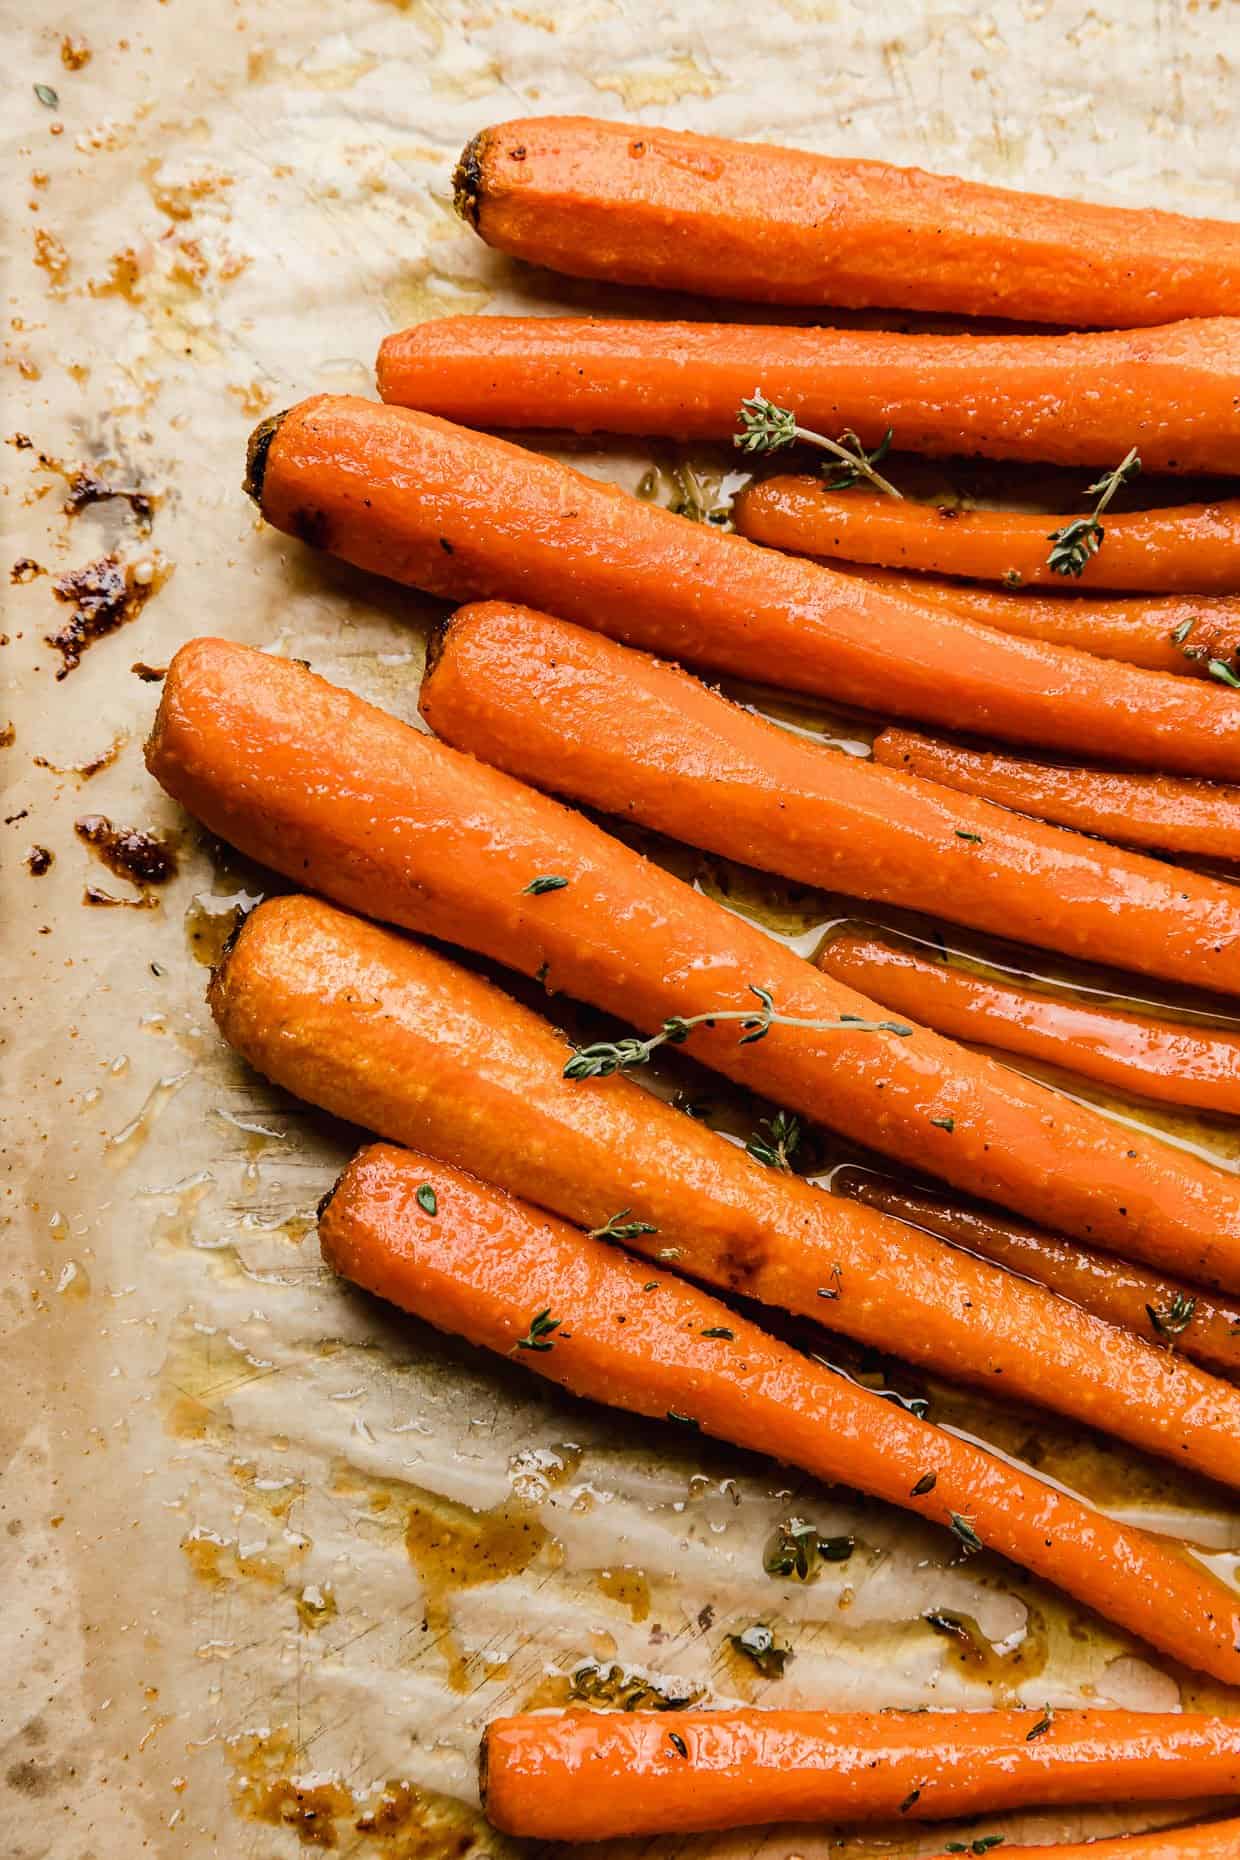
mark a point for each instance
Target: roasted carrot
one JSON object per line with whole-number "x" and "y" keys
{"x": 1177, "y": 1062}
{"x": 1177, "y": 633}
{"x": 1164, "y": 812}
{"x": 1212, "y": 1840}
{"x": 602, "y": 724}
{"x": 397, "y": 1039}
{"x": 720, "y": 218}
{"x": 580, "y": 1776}
{"x": 343, "y": 797}
{"x": 1182, "y": 1315}
{"x": 487, "y": 1267}
{"x": 1184, "y": 549}
{"x": 463, "y": 514}
{"x": 1072, "y": 399}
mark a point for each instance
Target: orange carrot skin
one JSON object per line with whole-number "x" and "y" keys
{"x": 1109, "y": 1287}
{"x": 598, "y": 723}
{"x": 483, "y": 1266}
{"x": 342, "y": 797}
{"x": 1186, "y": 549}
{"x": 1073, "y": 399}
{"x": 1163, "y": 812}
{"x": 374, "y": 1028}
{"x": 720, "y": 218}
{"x": 1173, "y": 1061}
{"x": 463, "y": 514}
{"x": 1215, "y": 1840}
{"x": 1139, "y": 629}
{"x": 583, "y": 1775}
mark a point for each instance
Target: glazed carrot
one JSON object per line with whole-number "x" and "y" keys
{"x": 463, "y": 514}
{"x": 580, "y": 1776}
{"x": 311, "y": 780}
{"x": 733, "y": 219}
{"x": 1177, "y": 633}
{"x": 1213, "y": 1840}
{"x": 488, "y": 1268}
{"x": 1177, "y": 1062}
{"x": 1164, "y": 812}
{"x": 1184, "y": 549}
{"x": 1182, "y": 1315}
{"x": 1073, "y": 399}
{"x": 395, "y": 1038}
{"x": 601, "y": 724}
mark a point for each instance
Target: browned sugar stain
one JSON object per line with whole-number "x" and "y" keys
{"x": 454, "y": 1548}
{"x": 981, "y": 1661}
{"x": 629, "y": 1587}
{"x": 105, "y": 594}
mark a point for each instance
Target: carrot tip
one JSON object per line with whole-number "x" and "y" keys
{"x": 256, "y": 455}
{"x": 467, "y": 180}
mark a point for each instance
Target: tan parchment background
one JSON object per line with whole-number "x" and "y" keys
{"x": 209, "y": 1452}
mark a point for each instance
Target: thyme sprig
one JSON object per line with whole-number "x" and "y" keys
{"x": 962, "y": 1528}
{"x": 616, "y": 1227}
{"x": 1077, "y": 542}
{"x": 775, "y": 1150}
{"x": 603, "y": 1058}
{"x": 1173, "y": 1317}
{"x": 768, "y": 428}
{"x": 538, "y": 1336}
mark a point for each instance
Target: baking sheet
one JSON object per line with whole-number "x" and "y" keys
{"x": 234, "y": 1492}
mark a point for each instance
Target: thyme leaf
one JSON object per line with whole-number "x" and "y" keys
{"x": 962, "y": 1528}
{"x": 776, "y": 1148}
{"x": 1173, "y": 1317}
{"x": 925, "y": 1484}
{"x": 538, "y": 1337}
{"x": 537, "y": 886}
{"x": 47, "y": 96}
{"x": 767, "y": 428}
{"x": 1042, "y": 1726}
{"x": 1219, "y": 668}
{"x": 616, "y": 1227}
{"x": 426, "y": 1198}
{"x": 1077, "y": 542}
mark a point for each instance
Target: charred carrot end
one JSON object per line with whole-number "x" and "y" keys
{"x": 258, "y": 447}
{"x": 481, "y": 1265}
{"x": 465, "y": 515}
{"x": 1162, "y": 812}
{"x": 358, "y": 1021}
{"x": 1171, "y": 1311}
{"x": 467, "y": 178}
{"x": 938, "y": 394}
{"x": 592, "y": 1775}
{"x": 559, "y": 707}
{"x": 1175, "y": 1062}
{"x": 1188, "y": 549}
{"x": 757, "y": 223}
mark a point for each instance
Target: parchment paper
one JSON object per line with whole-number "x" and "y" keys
{"x": 225, "y": 1626}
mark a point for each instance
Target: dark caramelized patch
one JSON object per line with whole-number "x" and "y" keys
{"x": 39, "y": 860}
{"x": 141, "y": 857}
{"x": 104, "y": 595}
{"x": 86, "y": 487}
{"x": 467, "y": 179}
{"x": 309, "y": 525}
{"x": 25, "y": 569}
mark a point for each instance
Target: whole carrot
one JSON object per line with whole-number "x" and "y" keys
{"x": 598, "y": 723}
{"x": 1181, "y": 1315}
{"x": 1176, "y": 1062}
{"x": 1164, "y": 812}
{"x": 1213, "y": 1840}
{"x": 1073, "y": 399}
{"x": 463, "y": 514}
{"x": 634, "y": 205}
{"x": 395, "y": 1038}
{"x": 1177, "y": 633}
{"x": 473, "y": 1261}
{"x": 580, "y": 1775}
{"x": 1185, "y": 549}
{"x": 311, "y": 780}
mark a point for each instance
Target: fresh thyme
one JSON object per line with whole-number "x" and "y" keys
{"x": 616, "y": 1227}
{"x": 1180, "y": 633}
{"x": 1076, "y": 542}
{"x": 1170, "y": 1319}
{"x": 720, "y": 1330}
{"x": 944, "y": 1123}
{"x": 678, "y": 1743}
{"x": 974, "y": 839}
{"x": 797, "y": 1547}
{"x": 682, "y": 1420}
{"x": 607, "y": 1056}
{"x": 757, "y": 1643}
{"x": 982, "y": 1845}
{"x": 537, "y": 886}
{"x": 925, "y": 1484}
{"x": 1218, "y": 668}
{"x": 1042, "y": 1726}
{"x": 777, "y": 1147}
{"x": 426, "y": 1198}
{"x": 963, "y": 1529}
{"x": 47, "y": 96}
{"x": 768, "y": 428}
{"x": 538, "y": 1337}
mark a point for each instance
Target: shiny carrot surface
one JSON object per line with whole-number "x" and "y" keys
{"x": 395, "y": 1038}
{"x": 1073, "y": 399}
{"x": 1184, "y": 549}
{"x": 1177, "y": 1062}
{"x": 1177, "y": 633}
{"x": 1163, "y": 812}
{"x": 583, "y": 1776}
{"x": 1194, "y": 1322}
{"x": 636, "y": 205}
{"x": 567, "y": 710}
{"x": 463, "y": 514}
{"x": 1212, "y": 1840}
{"x": 342, "y": 797}
{"x": 490, "y": 1269}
